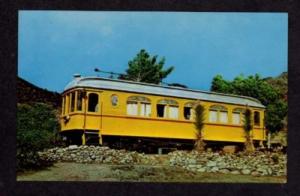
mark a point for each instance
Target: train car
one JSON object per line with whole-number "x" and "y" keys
{"x": 120, "y": 112}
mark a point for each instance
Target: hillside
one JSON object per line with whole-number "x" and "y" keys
{"x": 280, "y": 83}
{"x": 29, "y": 93}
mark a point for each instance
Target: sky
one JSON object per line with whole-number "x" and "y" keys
{"x": 55, "y": 45}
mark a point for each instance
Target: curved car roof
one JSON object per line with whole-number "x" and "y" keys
{"x": 138, "y": 87}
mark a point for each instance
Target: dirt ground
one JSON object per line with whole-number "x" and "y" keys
{"x": 65, "y": 171}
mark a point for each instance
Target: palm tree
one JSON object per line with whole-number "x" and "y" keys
{"x": 199, "y": 125}
{"x": 249, "y": 147}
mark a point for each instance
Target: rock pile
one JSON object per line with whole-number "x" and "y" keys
{"x": 256, "y": 164}
{"x": 96, "y": 154}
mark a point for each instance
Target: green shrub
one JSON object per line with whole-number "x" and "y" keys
{"x": 37, "y": 128}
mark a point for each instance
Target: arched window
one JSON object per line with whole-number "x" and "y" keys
{"x": 237, "y": 115}
{"x": 93, "y": 105}
{"x": 167, "y": 108}
{"x": 256, "y": 118}
{"x": 187, "y": 110}
{"x": 139, "y": 105}
{"x": 218, "y": 113}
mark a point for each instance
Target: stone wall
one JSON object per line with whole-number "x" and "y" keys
{"x": 96, "y": 154}
{"x": 256, "y": 164}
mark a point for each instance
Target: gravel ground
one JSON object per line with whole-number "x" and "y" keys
{"x": 70, "y": 171}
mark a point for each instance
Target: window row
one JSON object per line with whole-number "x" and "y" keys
{"x": 166, "y": 108}
{"x": 141, "y": 106}
{"x": 219, "y": 113}
{"x": 74, "y": 102}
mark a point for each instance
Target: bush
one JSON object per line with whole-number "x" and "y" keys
{"x": 37, "y": 128}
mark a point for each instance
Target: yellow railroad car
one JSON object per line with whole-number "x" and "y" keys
{"x": 110, "y": 110}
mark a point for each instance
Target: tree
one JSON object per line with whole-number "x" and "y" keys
{"x": 280, "y": 83}
{"x": 37, "y": 128}
{"x": 252, "y": 86}
{"x": 220, "y": 85}
{"x": 144, "y": 68}
{"x": 275, "y": 114}
{"x": 199, "y": 125}
{"x": 255, "y": 86}
{"x": 261, "y": 89}
{"x": 249, "y": 147}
